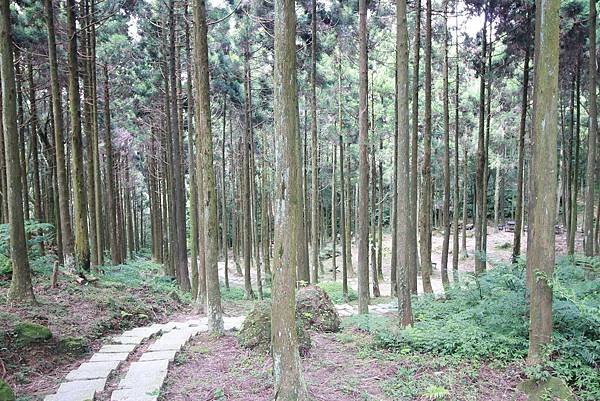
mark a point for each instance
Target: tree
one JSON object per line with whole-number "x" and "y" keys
{"x": 21, "y": 289}
{"x": 314, "y": 205}
{"x": 590, "y": 177}
{"x": 363, "y": 199}
{"x": 205, "y": 149}
{"x": 82, "y": 246}
{"x": 446, "y": 157}
{"x": 403, "y": 172}
{"x": 540, "y": 255}
{"x": 426, "y": 196}
{"x": 287, "y": 369}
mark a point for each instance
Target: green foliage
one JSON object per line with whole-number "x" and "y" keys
{"x": 336, "y": 293}
{"x": 487, "y": 318}
{"x": 36, "y": 231}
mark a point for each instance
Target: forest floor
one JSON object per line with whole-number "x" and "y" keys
{"x": 341, "y": 366}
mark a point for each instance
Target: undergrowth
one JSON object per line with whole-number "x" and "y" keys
{"x": 487, "y": 318}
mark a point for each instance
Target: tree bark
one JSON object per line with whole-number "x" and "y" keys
{"x": 446, "y": 157}
{"x": 521, "y": 161}
{"x": 82, "y": 246}
{"x": 590, "y": 176}
{"x": 287, "y": 369}
{"x": 413, "y": 261}
{"x": 21, "y": 290}
{"x": 205, "y": 149}
{"x": 426, "y": 189}
{"x": 540, "y": 255}
{"x": 403, "y": 173}
{"x": 363, "y": 201}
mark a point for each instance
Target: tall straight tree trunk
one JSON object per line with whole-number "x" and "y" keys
{"x": 480, "y": 213}
{"x": 224, "y": 199}
{"x": 37, "y": 191}
{"x": 289, "y": 380}
{"x": 486, "y": 170}
{"x": 413, "y": 256}
{"x": 446, "y": 157}
{"x": 540, "y": 255}
{"x": 247, "y": 221}
{"x": 314, "y": 206}
{"x": 394, "y": 211}
{"x": 465, "y": 199}
{"x": 590, "y": 176}
{"x": 88, "y": 128}
{"x": 456, "y": 196}
{"x": 66, "y": 233}
{"x": 179, "y": 234}
{"x": 575, "y": 179}
{"x": 363, "y": 200}
{"x": 380, "y": 214}
{"x": 205, "y": 149}
{"x": 373, "y": 226}
{"x": 21, "y": 290}
{"x": 265, "y": 218}
{"x": 82, "y": 246}
{"x": 110, "y": 171}
{"x": 521, "y": 161}
{"x": 193, "y": 182}
{"x": 333, "y": 213}
{"x": 403, "y": 169}
{"x": 426, "y": 189}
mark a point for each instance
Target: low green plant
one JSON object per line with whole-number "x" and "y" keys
{"x": 487, "y": 318}
{"x": 335, "y": 291}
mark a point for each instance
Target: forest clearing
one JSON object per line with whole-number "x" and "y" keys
{"x": 312, "y": 200}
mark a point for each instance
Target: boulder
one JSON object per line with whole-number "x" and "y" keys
{"x": 6, "y": 394}
{"x": 316, "y": 310}
{"x": 73, "y": 346}
{"x": 552, "y": 388}
{"x": 256, "y": 330}
{"x": 31, "y": 333}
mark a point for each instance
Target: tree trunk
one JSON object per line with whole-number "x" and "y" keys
{"x": 373, "y": 227}
{"x": 287, "y": 369}
{"x": 540, "y": 255}
{"x": 480, "y": 213}
{"x": 446, "y": 157}
{"x": 363, "y": 201}
{"x": 205, "y": 150}
{"x": 82, "y": 246}
{"x": 590, "y": 177}
{"x": 456, "y": 196}
{"x": 413, "y": 255}
{"x": 314, "y": 277}
{"x": 403, "y": 169}
{"x": 521, "y": 161}
{"x": 575, "y": 179}
{"x": 426, "y": 189}
{"x": 21, "y": 290}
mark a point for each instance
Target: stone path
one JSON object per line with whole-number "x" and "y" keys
{"x": 345, "y": 310}
{"x": 144, "y": 377}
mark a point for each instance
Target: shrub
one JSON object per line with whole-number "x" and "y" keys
{"x": 336, "y": 292}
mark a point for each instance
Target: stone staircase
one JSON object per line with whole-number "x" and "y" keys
{"x": 144, "y": 377}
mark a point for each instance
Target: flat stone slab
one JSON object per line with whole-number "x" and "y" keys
{"x": 173, "y": 340}
{"x": 158, "y": 355}
{"x": 148, "y": 331}
{"x": 92, "y": 370}
{"x": 118, "y": 348}
{"x": 133, "y": 395}
{"x": 145, "y": 376}
{"x": 123, "y": 339}
{"x": 109, "y": 356}
{"x": 80, "y": 390}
